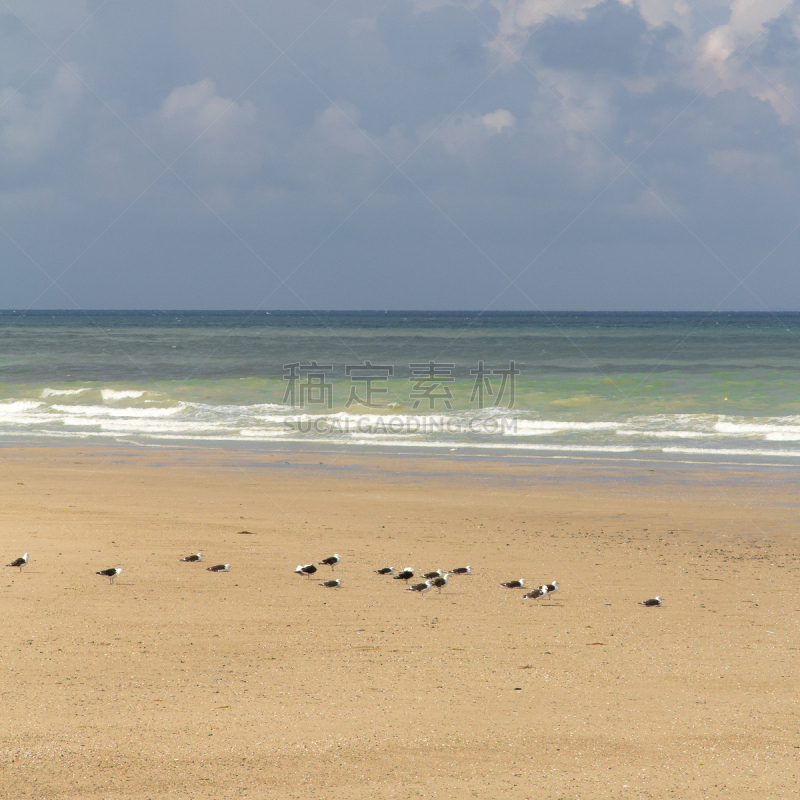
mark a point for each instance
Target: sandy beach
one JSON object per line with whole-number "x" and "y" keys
{"x": 178, "y": 682}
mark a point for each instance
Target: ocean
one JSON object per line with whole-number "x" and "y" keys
{"x": 666, "y": 386}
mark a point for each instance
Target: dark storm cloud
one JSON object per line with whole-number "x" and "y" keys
{"x": 613, "y": 39}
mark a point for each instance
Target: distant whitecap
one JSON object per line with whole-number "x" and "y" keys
{"x": 62, "y": 392}
{"x": 123, "y": 394}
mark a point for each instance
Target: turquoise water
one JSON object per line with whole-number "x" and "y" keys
{"x": 686, "y": 386}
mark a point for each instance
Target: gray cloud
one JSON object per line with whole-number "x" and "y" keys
{"x": 612, "y": 39}
{"x": 398, "y": 154}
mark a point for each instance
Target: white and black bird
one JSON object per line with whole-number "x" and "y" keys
{"x": 385, "y": 571}
{"x": 332, "y": 584}
{"x": 193, "y": 558}
{"x": 654, "y": 601}
{"x": 111, "y": 573}
{"x": 552, "y": 587}
{"x": 520, "y": 584}
{"x": 405, "y": 574}
{"x": 461, "y": 571}
{"x": 429, "y": 576}
{"x": 19, "y": 562}
{"x": 539, "y": 591}
{"x": 330, "y": 561}
{"x": 219, "y": 568}
{"x": 308, "y": 570}
{"x": 440, "y": 583}
{"x": 420, "y": 588}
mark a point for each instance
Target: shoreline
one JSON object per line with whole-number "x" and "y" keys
{"x": 444, "y": 451}
{"x": 176, "y": 681}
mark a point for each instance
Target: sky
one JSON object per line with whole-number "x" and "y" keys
{"x": 400, "y": 154}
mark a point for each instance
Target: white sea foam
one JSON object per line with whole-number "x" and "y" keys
{"x": 770, "y": 425}
{"x": 103, "y": 411}
{"x": 527, "y": 446}
{"x": 726, "y": 451}
{"x": 20, "y": 413}
{"x": 664, "y": 434}
{"x": 489, "y": 429}
{"x": 393, "y": 424}
{"x": 50, "y": 434}
{"x": 175, "y": 428}
{"x": 63, "y": 392}
{"x": 260, "y": 433}
{"x": 16, "y": 406}
{"x": 541, "y": 427}
{"x": 783, "y": 436}
{"x": 124, "y": 394}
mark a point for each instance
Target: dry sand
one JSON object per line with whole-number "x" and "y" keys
{"x": 258, "y": 683}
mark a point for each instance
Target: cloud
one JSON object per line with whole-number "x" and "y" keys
{"x": 748, "y": 21}
{"x": 338, "y": 129}
{"x": 30, "y": 122}
{"x": 518, "y": 19}
{"x": 338, "y": 160}
{"x": 217, "y": 131}
{"x": 426, "y": 6}
{"x": 651, "y": 205}
{"x": 611, "y": 39}
{"x": 376, "y": 135}
{"x": 498, "y": 121}
{"x": 466, "y": 135}
{"x": 669, "y": 40}
{"x": 758, "y": 167}
{"x": 743, "y": 54}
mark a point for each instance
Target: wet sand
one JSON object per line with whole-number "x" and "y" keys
{"x": 177, "y": 682}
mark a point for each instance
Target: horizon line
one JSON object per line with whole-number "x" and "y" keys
{"x": 477, "y": 312}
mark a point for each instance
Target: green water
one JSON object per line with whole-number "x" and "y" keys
{"x": 653, "y": 382}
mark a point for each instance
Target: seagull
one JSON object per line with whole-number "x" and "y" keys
{"x": 552, "y": 587}
{"x": 219, "y": 568}
{"x": 308, "y": 570}
{"x": 385, "y": 570}
{"x": 331, "y": 561}
{"x": 420, "y": 587}
{"x": 440, "y": 583}
{"x": 461, "y": 571}
{"x": 655, "y": 601}
{"x": 332, "y": 584}
{"x": 431, "y": 575}
{"x": 112, "y": 573}
{"x": 514, "y": 584}
{"x": 407, "y": 573}
{"x": 540, "y": 591}
{"x": 19, "y": 562}
{"x": 195, "y": 557}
